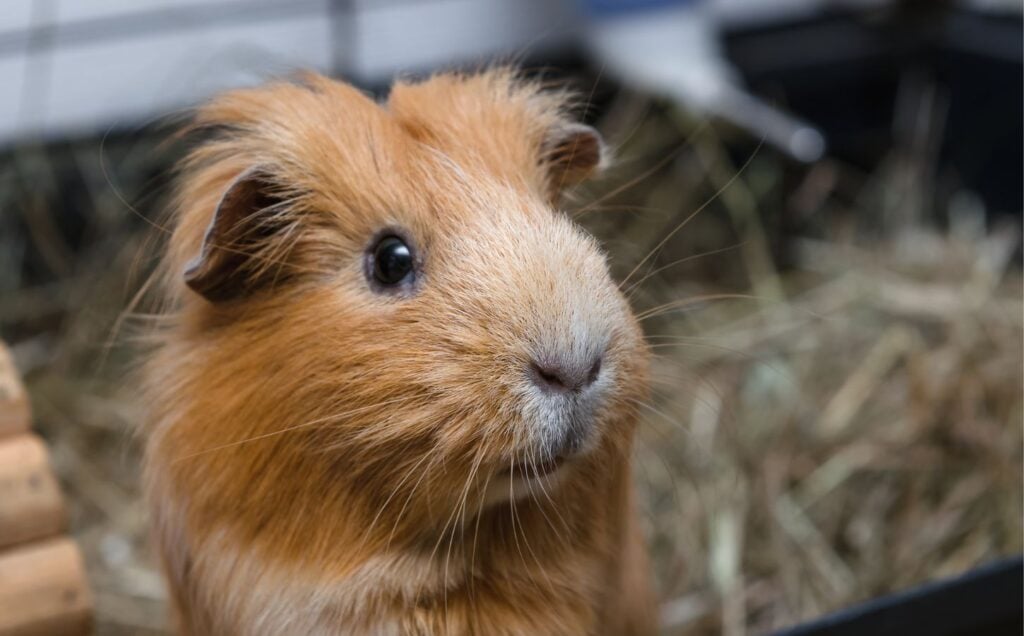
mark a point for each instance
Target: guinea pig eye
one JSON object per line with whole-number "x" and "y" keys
{"x": 392, "y": 261}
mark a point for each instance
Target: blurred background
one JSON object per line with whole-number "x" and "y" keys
{"x": 815, "y": 207}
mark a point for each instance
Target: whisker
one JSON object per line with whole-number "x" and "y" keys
{"x": 760, "y": 360}
{"x": 661, "y": 163}
{"x": 629, "y": 290}
{"x": 554, "y": 507}
{"x": 394, "y": 491}
{"x": 687, "y": 302}
{"x": 122, "y": 317}
{"x": 659, "y": 454}
{"x": 117, "y": 191}
{"x": 531, "y": 456}
{"x": 476, "y": 532}
{"x": 512, "y": 511}
{"x": 693, "y": 214}
{"x": 462, "y": 516}
{"x": 291, "y": 428}
{"x": 408, "y": 499}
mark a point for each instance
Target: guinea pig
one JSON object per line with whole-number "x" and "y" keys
{"x": 395, "y": 388}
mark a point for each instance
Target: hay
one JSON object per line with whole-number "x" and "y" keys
{"x": 837, "y": 410}
{"x": 845, "y": 429}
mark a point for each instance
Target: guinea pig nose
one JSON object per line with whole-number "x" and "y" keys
{"x": 553, "y": 377}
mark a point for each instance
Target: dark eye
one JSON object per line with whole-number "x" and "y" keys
{"x": 392, "y": 261}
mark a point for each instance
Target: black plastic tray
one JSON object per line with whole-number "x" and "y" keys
{"x": 988, "y": 601}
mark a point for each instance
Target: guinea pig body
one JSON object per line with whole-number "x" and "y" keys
{"x": 397, "y": 389}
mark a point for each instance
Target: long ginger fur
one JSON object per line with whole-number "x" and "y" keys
{"x": 319, "y": 455}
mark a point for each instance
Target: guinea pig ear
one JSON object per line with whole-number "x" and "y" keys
{"x": 572, "y": 152}
{"x": 241, "y": 225}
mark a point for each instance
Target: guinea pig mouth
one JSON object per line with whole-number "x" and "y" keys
{"x": 523, "y": 479}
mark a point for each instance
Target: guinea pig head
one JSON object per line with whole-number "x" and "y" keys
{"x": 384, "y": 313}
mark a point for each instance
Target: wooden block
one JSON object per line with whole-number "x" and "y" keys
{"x": 43, "y": 591}
{"x": 14, "y": 405}
{"x": 31, "y": 506}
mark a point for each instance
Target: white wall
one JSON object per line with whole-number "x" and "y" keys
{"x": 84, "y": 66}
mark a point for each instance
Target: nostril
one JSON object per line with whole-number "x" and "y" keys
{"x": 550, "y": 378}
{"x": 595, "y": 370}
{"x": 557, "y": 378}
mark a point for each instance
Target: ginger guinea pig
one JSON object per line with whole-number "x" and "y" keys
{"x": 396, "y": 390}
